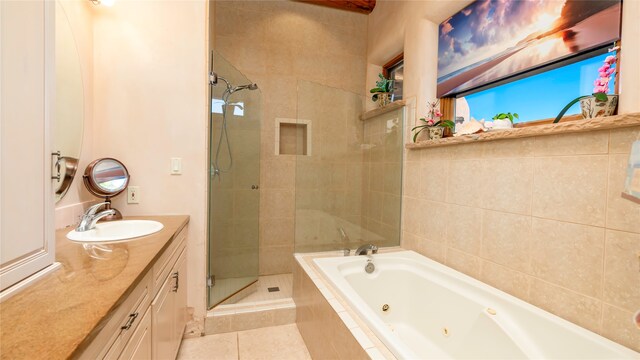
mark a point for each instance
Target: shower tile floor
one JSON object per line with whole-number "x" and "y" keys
{"x": 282, "y": 281}
{"x": 271, "y": 343}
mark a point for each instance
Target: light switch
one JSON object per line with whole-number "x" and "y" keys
{"x": 176, "y": 166}
{"x": 133, "y": 195}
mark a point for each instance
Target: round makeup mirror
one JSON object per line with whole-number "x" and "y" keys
{"x": 106, "y": 178}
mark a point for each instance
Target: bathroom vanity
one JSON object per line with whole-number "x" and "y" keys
{"x": 120, "y": 300}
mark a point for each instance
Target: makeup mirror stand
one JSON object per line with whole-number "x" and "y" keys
{"x": 116, "y": 216}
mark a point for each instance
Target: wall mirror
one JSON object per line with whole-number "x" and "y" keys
{"x": 69, "y": 105}
{"x": 106, "y": 178}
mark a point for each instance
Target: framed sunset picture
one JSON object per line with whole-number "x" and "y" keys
{"x": 492, "y": 40}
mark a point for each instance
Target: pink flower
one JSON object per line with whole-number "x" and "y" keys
{"x": 601, "y": 89}
{"x": 438, "y": 113}
{"x": 430, "y": 122}
{"x": 601, "y": 85}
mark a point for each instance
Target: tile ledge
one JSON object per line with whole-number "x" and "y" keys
{"x": 383, "y": 110}
{"x": 602, "y": 123}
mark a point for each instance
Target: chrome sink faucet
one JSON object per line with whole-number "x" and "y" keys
{"x": 364, "y": 249}
{"x": 90, "y": 218}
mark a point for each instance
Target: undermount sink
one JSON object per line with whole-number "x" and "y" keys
{"x": 116, "y": 231}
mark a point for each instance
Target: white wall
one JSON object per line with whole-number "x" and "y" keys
{"x": 150, "y": 105}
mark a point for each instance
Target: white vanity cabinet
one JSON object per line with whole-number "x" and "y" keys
{"x": 168, "y": 312}
{"x": 169, "y": 306}
{"x": 150, "y": 322}
{"x": 139, "y": 346}
{"x": 27, "y": 239}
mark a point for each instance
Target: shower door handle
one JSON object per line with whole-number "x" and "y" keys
{"x": 255, "y": 187}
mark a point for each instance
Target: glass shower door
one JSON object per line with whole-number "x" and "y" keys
{"x": 234, "y": 195}
{"x": 349, "y": 190}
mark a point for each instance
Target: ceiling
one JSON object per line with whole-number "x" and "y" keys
{"x": 361, "y": 6}
{"x": 439, "y": 10}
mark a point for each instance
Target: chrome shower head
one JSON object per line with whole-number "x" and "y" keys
{"x": 252, "y": 86}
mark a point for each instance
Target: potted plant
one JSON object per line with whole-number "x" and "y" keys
{"x": 382, "y": 91}
{"x": 504, "y": 120}
{"x": 599, "y": 103}
{"x": 435, "y": 127}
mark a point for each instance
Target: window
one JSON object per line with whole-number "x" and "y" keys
{"x": 536, "y": 97}
{"x": 217, "y": 104}
{"x": 529, "y": 57}
{"x": 394, "y": 70}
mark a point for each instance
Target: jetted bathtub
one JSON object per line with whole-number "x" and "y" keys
{"x": 421, "y": 309}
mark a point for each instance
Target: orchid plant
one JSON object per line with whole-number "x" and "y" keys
{"x": 600, "y": 85}
{"x": 432, "y": 119}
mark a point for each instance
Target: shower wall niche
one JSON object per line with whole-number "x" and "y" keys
{"x": 293, "y": 137}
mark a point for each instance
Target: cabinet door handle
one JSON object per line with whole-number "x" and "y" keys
{"x": 132, "y": 318}
{"x": 59, "y": 158}
{"x": 176, "y": 275}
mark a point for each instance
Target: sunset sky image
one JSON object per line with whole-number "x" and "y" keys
{"x": 486, "y": 28}
{"x": 493, "y": 39}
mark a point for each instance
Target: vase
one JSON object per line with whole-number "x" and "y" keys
{"x": 383, "y": 99}
{"x": 502, "y": 124}
{"x": 592, "y": 107}
{"x": 435, "y": 132}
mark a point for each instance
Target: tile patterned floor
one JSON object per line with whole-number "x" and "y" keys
{"x": 226, "y": 287}
{"x": 261, "y": 293}
{"x": 271, "y": 343}
{"x": 283, "y": 281}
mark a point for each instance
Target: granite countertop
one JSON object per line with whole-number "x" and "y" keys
{"x": 66, "y": 308}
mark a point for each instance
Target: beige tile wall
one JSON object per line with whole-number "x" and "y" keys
{"x": 540, "y": 218}
{"x": 276, "y": 44}
{"x": 382, "y": 178}
{"x": 329, "y": 182}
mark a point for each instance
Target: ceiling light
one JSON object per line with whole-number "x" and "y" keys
{"x": 103, "y": 2}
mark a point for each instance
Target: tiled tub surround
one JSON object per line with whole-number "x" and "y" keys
{"x": 64, "y": 311}
{"x": 330, "y": 329}
{"x": 540, "y": 218}
{"x": 382, "y": 176}
{"x": 422, "y": 309}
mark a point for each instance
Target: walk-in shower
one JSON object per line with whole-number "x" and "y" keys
{"x": 346, "y": 193}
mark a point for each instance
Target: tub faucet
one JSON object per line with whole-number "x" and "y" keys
{"x": 90, "y": 218}
{"x": 364, "y": 249}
